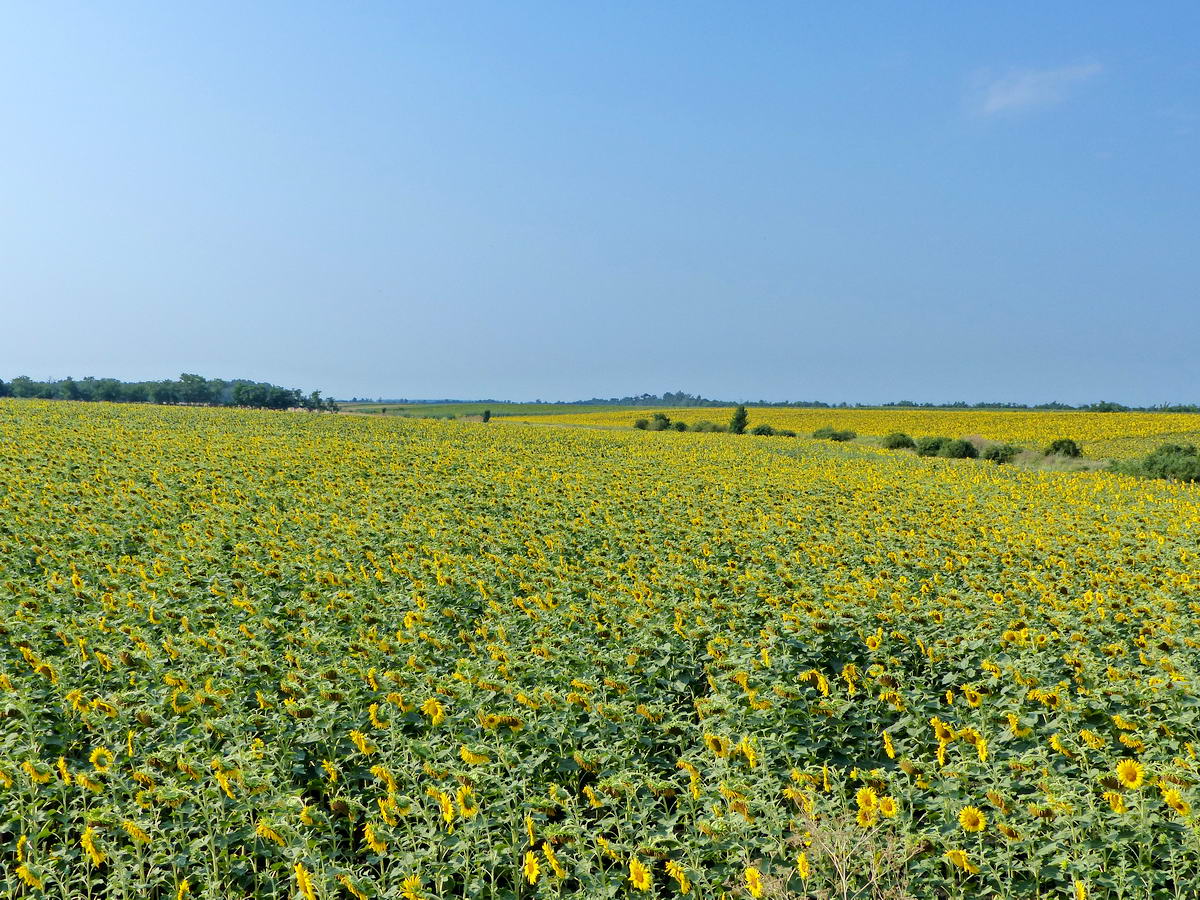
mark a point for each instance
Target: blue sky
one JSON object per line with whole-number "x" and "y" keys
{"x": 861, "y": 202}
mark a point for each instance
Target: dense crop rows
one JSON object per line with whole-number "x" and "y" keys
{"x": 1115, "y": 435}
{"x": 275, "y": 655}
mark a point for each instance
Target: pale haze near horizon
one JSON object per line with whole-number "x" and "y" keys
{"x": 860, "y": 203}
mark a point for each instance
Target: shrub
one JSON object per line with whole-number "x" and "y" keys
{"x": 784, "y": 432}
{"x": 898, "y": 440}
{"x": 764, "y": 430}
{"x": 1064, "y": 447}
{"x": 679, "y": 426}
{"x": 707, "y": 426}
{"x": 642, "y": 424}
{"x": 739, "y": 421}
{"x": 958, "y": 449}
{"x": 1180, "y": 462}
{"x": 660, "y": 422}
{"x": 829, "y": 434}
{"x": 930, "y": 446}
{"x": 1000, "y": 453}
{"x": 487, "y": 416}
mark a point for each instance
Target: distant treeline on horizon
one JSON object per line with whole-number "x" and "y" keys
{"x": 681, "y": 399}
{"x": 194, "y": 390}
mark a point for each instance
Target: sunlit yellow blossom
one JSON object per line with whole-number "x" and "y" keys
{"x": 101, "y": 759}
{"x": 471, "y": 758}
{"x": 88, "y": 841}
{"x": 639, "y": 875}
{"x": 754, "y": 882}
{"x": 531, "y": 868}
{"x": 304, "y": 882}
{"x": 676, "y": 871}
{"x": 971, "y": 818}
{"x": 29, "y": 879}
{"x": 1131, "y": 773}
{"x": 552, "y": 861}
{"x": 960, "y": 859}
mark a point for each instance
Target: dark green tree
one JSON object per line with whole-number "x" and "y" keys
{"x": 741, "y": 418}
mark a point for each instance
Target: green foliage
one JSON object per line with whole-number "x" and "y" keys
{"x": 829, "y": 434}
{"x": 659, "y": 422}
{"x": 1000, "y": 453}
{"x": 739, "y": 421}
{"x": 1064, "y": 447}
{"x": 641, "y": 424}
{"x": 706, "y": 426}
{"x": 194, "y": 390}
{"x": 958, "y": 449}
{"x": 898, "y": 440}
{"x": 1177, "y": 462}
{"x": 930, "y": 446}
{"x": 764, "y": 430}
{"x": 487, "y": 415}
{"x": 679, "y": 426}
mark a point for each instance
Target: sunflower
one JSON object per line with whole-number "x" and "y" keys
{"x": 1131, "y": 773}
{"x": 866, "y": 798}
{"x": 888, "y": 807}
{"x": 867, "y": 816}
{"x": 802, "y": 866}
{"x": 676, "y": 871}
{"x": 531, "y": 868}
{"x": 972, "y": 819}
{"x": 101, "y": 759}
{"x": 639, "y": 875}
{"x": 754, "y": 882}
{"x": 410, "y": 887}
{"x": 1115, "y": 801}
{"x": 1175, "y": 800}
{"x": 471, "y": 758}
{"x": 960, "y": 859}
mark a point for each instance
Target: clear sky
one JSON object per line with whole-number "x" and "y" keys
{"x": 840, "y": 201}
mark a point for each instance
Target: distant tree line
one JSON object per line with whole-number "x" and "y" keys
{"x": 193, "y": 390}
{"x": 680, "y": 399}
{"x": 1101, "y": 406}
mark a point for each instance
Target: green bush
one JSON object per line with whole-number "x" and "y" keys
{"x": 763, "y": 430}
{"x": 830, "y": 434}
{"x": 659, "y": 422}
{"x": 739, "y": 421}
{"x": 1064, "y": 447}
{"x": 707, "y": 426}
{"x": 958, "y": 449}
{"x": 679, "y": 426}
{"x": 642, "y": 424}
{"x": 784, "y": 432}
{"x": 1179, "y": 462}
{"x": 1000, "y": 453}
{"x": 930, "y": 446}
{"x": 898, "y": 440}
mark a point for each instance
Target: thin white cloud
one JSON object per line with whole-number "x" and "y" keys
{"x": 1023, "y": 89}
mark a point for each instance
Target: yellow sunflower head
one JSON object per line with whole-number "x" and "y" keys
{"x": 972, "y": 819}
{"x": 1131, "y": 773}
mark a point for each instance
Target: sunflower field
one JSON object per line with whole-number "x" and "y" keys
{"x": 272, "y": 655}
{"x": 1103, "y": 435}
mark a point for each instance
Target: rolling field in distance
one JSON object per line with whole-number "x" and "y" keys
{"x": 1108, "y": 435}
{"x": 458, "y": 410}
{"x": 254, "y": 654}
